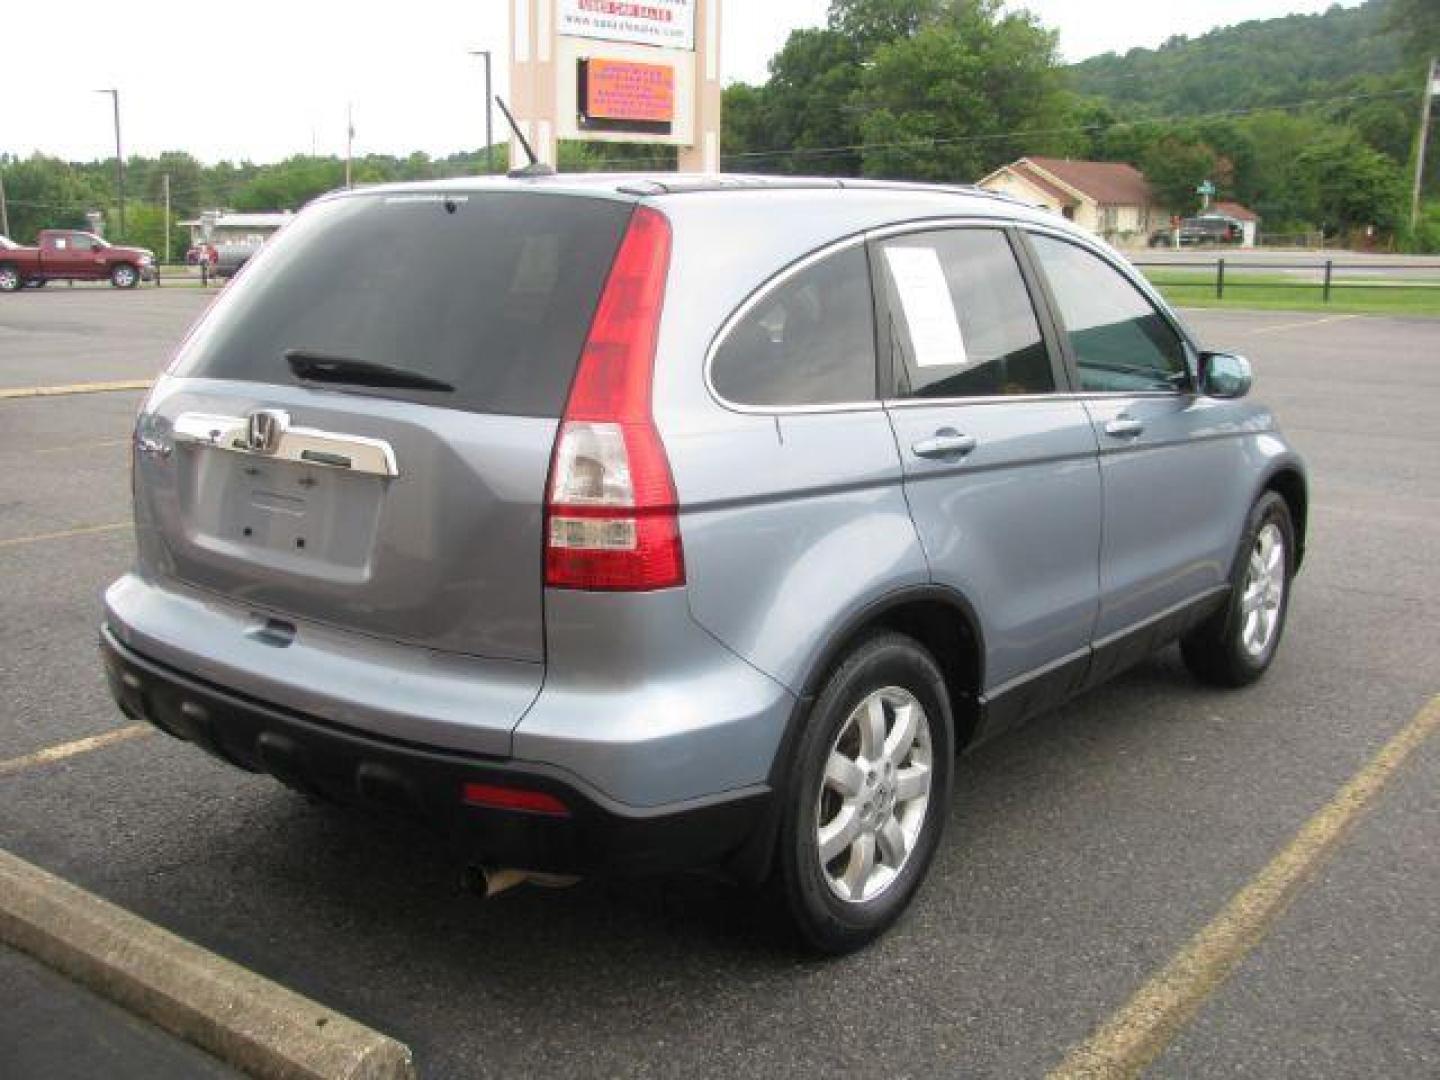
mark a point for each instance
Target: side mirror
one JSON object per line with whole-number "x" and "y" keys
{"x": 1224, "y": 375}
{"x": 96, "y": 248}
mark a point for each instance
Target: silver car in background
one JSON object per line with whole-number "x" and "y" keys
{"x": 630, "y": 524}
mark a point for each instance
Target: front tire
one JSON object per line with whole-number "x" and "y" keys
{"x": 124, "y": 276}
{"x": 867, "y": 795}
{"x": 1236, "y": 645}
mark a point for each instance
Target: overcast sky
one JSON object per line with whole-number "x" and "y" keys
{"x": 263, "y": 79}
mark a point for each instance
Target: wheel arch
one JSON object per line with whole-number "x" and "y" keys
{"x": 940, "y": 619}
{"x": 1288, "y": 481}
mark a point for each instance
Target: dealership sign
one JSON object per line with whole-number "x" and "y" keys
{"x": 668, "y": 24}
{"x": 620, "y": 90}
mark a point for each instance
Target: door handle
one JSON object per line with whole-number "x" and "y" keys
{"x": 945, "y": 443}
{"x": 1124, "y": 427}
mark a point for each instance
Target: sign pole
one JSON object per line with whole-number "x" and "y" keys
{"x": 703, "y": 155}
{"x": 165, "y": 255}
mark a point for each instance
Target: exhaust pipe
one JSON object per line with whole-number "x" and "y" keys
{"x": 488, "y": 882}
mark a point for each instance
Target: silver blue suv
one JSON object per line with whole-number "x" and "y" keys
{"x": 629, "y": 524}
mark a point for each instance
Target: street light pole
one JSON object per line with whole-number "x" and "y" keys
{"x": 119, "y": 158}
{"x": 1432, "y": 87}
{"x": 489, "y": 108}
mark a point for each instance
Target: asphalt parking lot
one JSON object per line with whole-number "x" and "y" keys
{"x": 1084, "y": 850}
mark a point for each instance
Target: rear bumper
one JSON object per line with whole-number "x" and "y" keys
{"x": 597, "y": 836}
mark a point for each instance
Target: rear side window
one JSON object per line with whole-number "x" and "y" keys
{"x": 961, "y": 320}
{"x": 1121, "y": 342}
{"x": 809, "y": 341}
{"x": 491, "y": 293}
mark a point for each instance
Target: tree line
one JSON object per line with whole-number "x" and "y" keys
{"x": 1309, "y": 120}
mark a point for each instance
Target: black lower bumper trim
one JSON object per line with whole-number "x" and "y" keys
{"x": 343, "y": 765}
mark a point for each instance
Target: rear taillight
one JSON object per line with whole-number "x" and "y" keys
{"x": 611, "y": 520}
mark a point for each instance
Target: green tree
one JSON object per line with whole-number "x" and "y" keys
{"x": 964, "y": 94}
{"x": 1417, "y": 24}
{"x": 809, "y": 105}
{"x": 1176, "y": 166}
{"x": 1351, "y": 185}
{"x": 145, "y": 227}
{"x": 871, "y": 23}
{"x": 47, "y": 193}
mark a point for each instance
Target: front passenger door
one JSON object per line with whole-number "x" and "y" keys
{"x": 1168, "y": 458}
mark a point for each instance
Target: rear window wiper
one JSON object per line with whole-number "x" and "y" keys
{"x": 322, "y": 367}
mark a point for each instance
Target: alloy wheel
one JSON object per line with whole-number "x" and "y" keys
{"x": 1264, "y": 591}
{"x": 874, "y": 795}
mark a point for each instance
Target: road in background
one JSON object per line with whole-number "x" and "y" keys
{"x": 1307, "y": 262}
{"x": 1084, "y": 850}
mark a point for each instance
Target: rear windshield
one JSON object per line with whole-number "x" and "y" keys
{"x": 491, "y": 293}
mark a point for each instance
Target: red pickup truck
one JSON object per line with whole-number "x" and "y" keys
{"x": 67, "y": 254}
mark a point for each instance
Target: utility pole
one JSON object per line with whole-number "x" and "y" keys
{"x": 349, "y": 141}
{"x": 489, "y": 109}
{"x": 166, "y": 255}
{"x": 1432, "y": 86}
{"x": 119, "y": 157}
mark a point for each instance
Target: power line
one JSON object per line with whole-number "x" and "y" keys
{"x": 931, "y": 143}
{"x": 222, "y": 190}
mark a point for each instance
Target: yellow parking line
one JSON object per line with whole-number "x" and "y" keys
{"x": 1303, "y": 325}
{"x": 81, "y": 446}
{"x": 70, "y": 749}
{"x": 63, "y": 534}
{"x": 1140, "y": 1031}
{"x": 11, "y": 392}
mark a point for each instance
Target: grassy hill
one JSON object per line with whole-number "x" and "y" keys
{"x": 1252, "y": 64}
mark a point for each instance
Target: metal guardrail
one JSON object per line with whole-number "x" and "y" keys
{"x": 1327, "y": 272}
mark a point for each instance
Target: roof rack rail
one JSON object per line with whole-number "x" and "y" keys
{"x": 685, "y": 184}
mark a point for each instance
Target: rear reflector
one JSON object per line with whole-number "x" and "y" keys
{"x": 611, "y": 518}
{"x": 495, "y": 797}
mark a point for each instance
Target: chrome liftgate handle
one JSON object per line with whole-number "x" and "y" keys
{"x": 267, "y": 433}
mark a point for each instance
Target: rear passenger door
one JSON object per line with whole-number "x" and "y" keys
{"x": 999, "y": 460}
{"x": 1168, "y": 457}
{"x": 58, "y": 254}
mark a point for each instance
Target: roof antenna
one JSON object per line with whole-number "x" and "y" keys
{"x": 536, "y": 166}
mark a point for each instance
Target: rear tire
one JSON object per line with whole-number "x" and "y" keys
{"x": 124, "y": 276}
{"x": 1236, "y": 645}
{"x": 869, "y": 785}
{"x": 10, "y": 279}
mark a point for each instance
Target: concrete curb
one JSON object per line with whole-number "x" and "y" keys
{"x": 243, "y": 1019}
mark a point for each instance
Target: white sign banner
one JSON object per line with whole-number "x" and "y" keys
{"x": 669, "y": 24}
{"x": 929, "y": 312}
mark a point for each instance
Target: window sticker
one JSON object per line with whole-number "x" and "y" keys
{"x": 929, "y": 310}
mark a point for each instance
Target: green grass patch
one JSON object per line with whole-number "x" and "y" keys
{"x": 1273, "y": 292}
